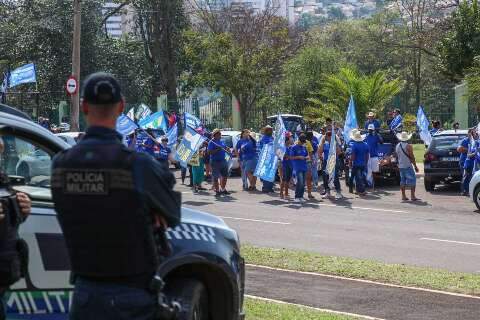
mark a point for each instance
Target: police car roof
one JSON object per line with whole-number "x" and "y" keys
{"x": 451, "y": 133}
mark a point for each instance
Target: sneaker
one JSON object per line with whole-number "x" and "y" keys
{"x": 338, "y": 196}
{"x": 326, "y": 195}
{"x": 298, "y": 200}
{"x": 225, "y": 192}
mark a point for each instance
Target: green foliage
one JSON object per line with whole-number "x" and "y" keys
{"x": 370, "y": 92}
{"x": 462, "y": 43}
{"x": 409, "y": 122}
{"x": 473, "y": 81}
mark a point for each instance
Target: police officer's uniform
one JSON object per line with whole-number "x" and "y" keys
{"x": 105, "y": 196}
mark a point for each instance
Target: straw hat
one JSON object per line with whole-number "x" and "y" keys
{"x": 404, "y": 136}
{"x": 356, "y": 135}
{"x": 215, "y": 131}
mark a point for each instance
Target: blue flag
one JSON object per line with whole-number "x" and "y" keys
{"x": 332, "y": 158}
{"x": 191, "y": 142}
{"x": 125, "y": 125}
{"x": 279, "y": 138}
{"x": 143, "y": 112}
{"x": 350, "y": 121}
{"x": 172, "y": 135}
{"x": 193, "y": 122}
{"x": 23, "y": 74}
{"x": 267, "y": 163}
{"x": 422, "y": 124}
{"x": 396, "y": 123}
{"x": 154, "y": 121}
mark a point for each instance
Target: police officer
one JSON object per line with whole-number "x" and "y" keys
{"x": 9, "y": 256}
{"x": 108, "y": 199}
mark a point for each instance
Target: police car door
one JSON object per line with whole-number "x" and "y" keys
{"x": 45, "y": 293}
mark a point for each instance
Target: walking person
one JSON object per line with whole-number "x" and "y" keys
{"x": 266, "y": 139}
{"x": 467, "y": 150}
{"x": 406, "y": 164}
{"x": 299, "y": 157}
{"x": 308, "y": 174}
{"x": 324, "y": 152}
{"x": 109, "y": 202}
{"x": 286, "y": 171}
{"x": 206, "y": 160}
{"x": 198, "y": 169}
{"x": 373, "y": 140}
{"x": 247, "y": 152}
{"x": 359, "y": 160}
{"x": 217, "y": 150}
{"x": 313, "y": 167}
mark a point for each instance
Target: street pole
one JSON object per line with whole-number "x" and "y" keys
{"x": 77, "y": 29}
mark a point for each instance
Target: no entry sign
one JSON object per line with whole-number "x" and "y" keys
{"x": 72, "y": 86}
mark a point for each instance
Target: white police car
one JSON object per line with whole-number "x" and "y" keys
{"x": 205, "y": 272}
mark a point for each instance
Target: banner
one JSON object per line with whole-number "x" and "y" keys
{"x": 143, "y": 112}
{"x": 267, "y": 163}
{"x": 23, "y": 74}
{"x": 350, "y": 121}
{"x": 154, "y": 121}
{"x": 191, "y": 142}
{"x": 279, "y": 138}
{"x": 422, "y": 124}
{"x": 125, "y": 125}
{"x": 172, "y": 135}
{"x": 332, "y": 158}
{"x": 193, "y": 122}
{"x": 131, "y": 114}
{"x": 396, "y": 123}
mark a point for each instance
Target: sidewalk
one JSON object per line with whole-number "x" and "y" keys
{"x": 368, "y": 299}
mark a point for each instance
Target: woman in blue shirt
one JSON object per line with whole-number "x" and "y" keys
{"x": 217, "y": 150}
{"x": 247, "y": 151}
{"x": 299, "y": 157}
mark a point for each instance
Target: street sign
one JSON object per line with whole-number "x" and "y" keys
{"x": 72, "y": 86}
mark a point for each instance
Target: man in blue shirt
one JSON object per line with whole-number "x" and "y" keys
{"x": 372, "y": 121}
{"x": 164, "y": 152}
{"x": 359, "y": 160}
{"x": 467, "y": 150}
{"x": 436, "y": 127}
{"x": 299, "y": 157}
{"x": 373, "y": 140}
{"x": 266, "y": 139}
{"x": 247, "y": 153}
{"x": 217, "y": 150}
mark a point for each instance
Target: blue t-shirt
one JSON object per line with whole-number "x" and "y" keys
{"x": 238, "y": 147}
{"x": 286, "y": 162}
{"x": 433, "y": 131}
{"x": 214, "y": 145}
{"x": 249, "y": 150}
{"x": 373, "y": 140}
{"x": 265, "y": 140}
{"x": 360, "y": 150}
{"x": 148, "y": 147}
{"x": 299, "y": 165}
{"x": 463, "y": 156}
{"x": 326, "y": 150}
{"x": 375, "y": 122}
{"x": 164, "y": 152}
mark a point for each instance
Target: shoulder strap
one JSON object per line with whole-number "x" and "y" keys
{"x": 405, "y": 153}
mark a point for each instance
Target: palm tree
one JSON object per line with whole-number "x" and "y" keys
{"x": 371, "y": 93}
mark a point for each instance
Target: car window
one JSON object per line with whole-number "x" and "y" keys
{"x": 228, "y": 140}
{"x": 446, "y": 142}
{"x": 22, "y": 158}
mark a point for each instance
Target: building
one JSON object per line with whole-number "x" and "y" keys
{"x": 121, "y": 23}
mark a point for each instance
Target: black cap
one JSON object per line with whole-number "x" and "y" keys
{"x": 101, "y": 88}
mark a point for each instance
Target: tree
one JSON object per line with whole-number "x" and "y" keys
{"x": 473, "y": 81}
{"x": 462, "y": 42}
{"x": 370, "y": 92}
{"x": 335, "y": 13}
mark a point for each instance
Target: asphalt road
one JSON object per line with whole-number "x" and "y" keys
{"x": 441, "y": 231}
{"x": 360, "y": 298}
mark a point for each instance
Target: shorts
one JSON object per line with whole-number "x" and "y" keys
{"x": 373, "y": 164}
{"x": 407, "y": 177}
{"x": 219, "y": 169}
{"x": 287, "y": 172}
{"x": 249, "y": 165}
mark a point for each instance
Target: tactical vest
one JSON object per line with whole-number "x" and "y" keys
{"x": 107, "y": 230}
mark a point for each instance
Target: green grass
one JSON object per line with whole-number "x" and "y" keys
{"x": 264, "y": 310}
{"x": 419, "y": 152}
{"x": 398, "y": 274}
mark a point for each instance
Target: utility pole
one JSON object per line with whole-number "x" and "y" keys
{"x": 77, "y": 30}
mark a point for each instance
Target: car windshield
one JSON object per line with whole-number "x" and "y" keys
{"x": 446, "y": 142}
{"x": 228, "y": 140}
{"x": 22, "y": 158}
{"x": 292, "y": 124}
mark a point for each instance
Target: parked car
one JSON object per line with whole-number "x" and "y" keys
{"x": 474, "y": 189}
{"x": 441, "y": 158}
{"x": 230, "y": 138}
{"x": 70, "y": 137}
{"x": 205, "y": 271}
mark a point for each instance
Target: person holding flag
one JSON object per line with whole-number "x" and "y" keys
{"x": 247, "y": 153}
{"x": 328, "y": 151}
{"x": 164, "y": 155}
{"x": 397, "y": 121}
{"x": 217, "y": 150}
{"x": 266, "y": 139}
{"x": 359, "y": 160}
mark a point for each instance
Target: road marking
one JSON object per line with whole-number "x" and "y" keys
{"x": 452, "y": 241}
{"x": 322, "y": 275}
{"x": 314, "y": 308}
{"x": 361, "y": 208}
{"x": 255, "y": 220}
